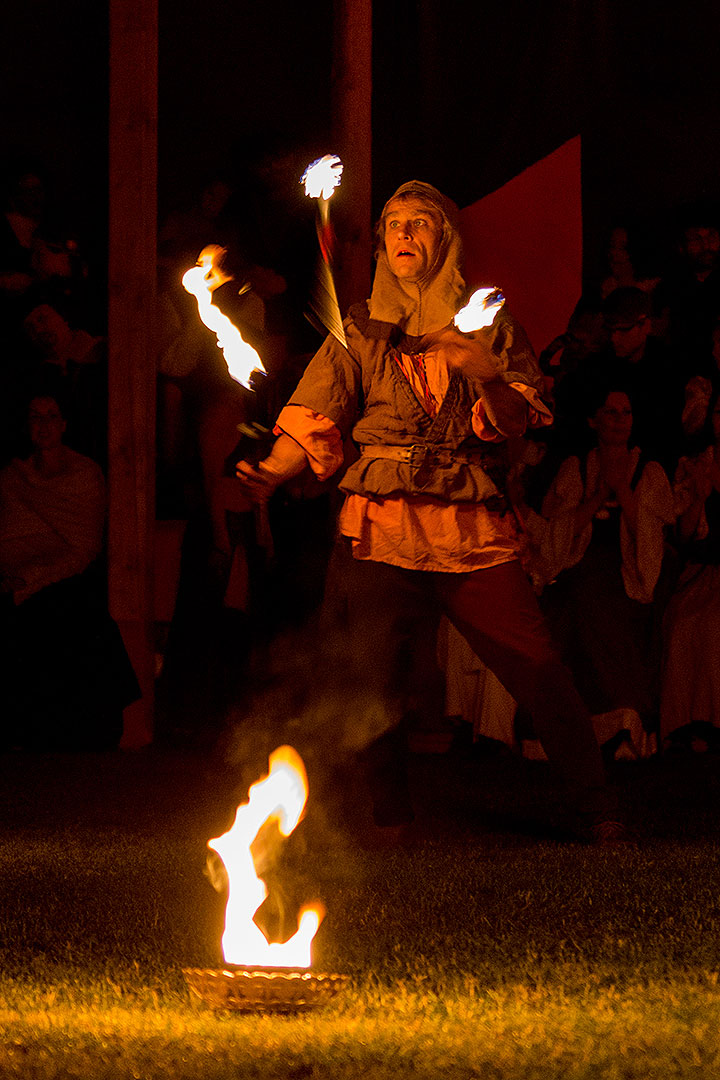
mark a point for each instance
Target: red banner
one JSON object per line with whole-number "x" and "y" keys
{"x": 526, "y": 238}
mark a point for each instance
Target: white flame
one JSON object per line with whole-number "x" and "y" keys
{"x": 280, "y": 796}
{"x": 201, "y": 281}
{"x": 322, "y": 177}
{"x": 480, "y": 310}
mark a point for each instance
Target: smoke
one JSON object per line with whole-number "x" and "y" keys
{"x": 311, "y": 691}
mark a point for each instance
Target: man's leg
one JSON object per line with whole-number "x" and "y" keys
{"x": 387, "y": 607}
{"x": 498, "y": 614}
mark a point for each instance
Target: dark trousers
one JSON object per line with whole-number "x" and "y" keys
{"x": 498, "y": 614}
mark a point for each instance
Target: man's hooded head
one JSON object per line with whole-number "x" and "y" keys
{"x": 418, "y": 285}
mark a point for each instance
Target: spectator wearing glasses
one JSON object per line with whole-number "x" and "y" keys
{"x": 642, "y": 363}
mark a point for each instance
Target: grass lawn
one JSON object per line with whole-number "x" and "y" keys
{"x": 495, "y": 949}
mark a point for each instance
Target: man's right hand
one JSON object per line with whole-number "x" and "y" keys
{"x": 257, "y": 482}
{"x": 285, "y": 461}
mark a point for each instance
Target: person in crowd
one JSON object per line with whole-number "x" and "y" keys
{"x": 276, "y": 223}
{"x": 602, "y": 554}
{"x": 33, "y": 254}
{"x": 583, "y": 337}
{"x": 643, "y": 364}
{"x": 627, "y": 262}
{"x": 74, "y": 362}
{"x": 425, "y": 524}
{"x": 688, "y": 297}
{"x": 564, "y": 365}
{"x": 700, "y": 388}
{"x": 66, "y": 676}
{"x": 185, "y": 231}
{"x": 246, "y": 571}
{"x": 690, "y": 699}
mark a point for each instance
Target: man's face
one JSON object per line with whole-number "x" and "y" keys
{"x": 413, "y": 232}
{"x": 628, "y": 338}
{"x": 701, "y": 245}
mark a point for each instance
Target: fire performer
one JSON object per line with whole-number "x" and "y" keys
{"x": 426, "y": 518}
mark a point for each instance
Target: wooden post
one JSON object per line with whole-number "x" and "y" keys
{"x": 352, "y": 140}
{"x": 132, "y": 360}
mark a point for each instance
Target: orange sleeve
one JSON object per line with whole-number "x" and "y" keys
{"x": 319, "y": 437}
{"x": 539, "y": 414}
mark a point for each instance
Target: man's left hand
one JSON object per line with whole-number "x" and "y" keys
{"x": 469, "y": 354}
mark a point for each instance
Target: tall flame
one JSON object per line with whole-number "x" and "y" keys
{"x": 322, "y": 176}
{"x": 201, "y": 281}
{"x": 280, "y": 796}
{"x": 480, "y": 310}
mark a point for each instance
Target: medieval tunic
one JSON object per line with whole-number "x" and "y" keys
{"x": 425, "y": 490}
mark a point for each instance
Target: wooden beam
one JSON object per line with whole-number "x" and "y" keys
{"x": 351, "y": 83}
{"x": 131, "y": 340}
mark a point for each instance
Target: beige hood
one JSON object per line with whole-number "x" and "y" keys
{"x": 421, "y": 307}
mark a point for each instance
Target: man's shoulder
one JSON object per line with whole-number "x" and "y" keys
{"x": 358, "y": 320}
{"x": 358, "y": 315}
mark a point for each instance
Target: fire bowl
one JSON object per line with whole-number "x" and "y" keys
{"x": 270, "y": 990}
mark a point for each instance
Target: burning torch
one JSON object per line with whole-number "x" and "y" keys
{"x": 201, "y": 281}
{"x": 243, "y": 361}
{"x": 462, "y": 350}
{"x": 320, "y": 180}
{"x": 480, "y": 310}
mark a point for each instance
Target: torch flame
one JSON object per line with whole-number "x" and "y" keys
{"x": 201, "y": 281}
{"x": 280, "y": 796}
{"x": 480, "y": 310}
{"x": 322, "y": 177}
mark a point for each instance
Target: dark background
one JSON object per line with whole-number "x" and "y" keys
{"x": 465, "y": 96}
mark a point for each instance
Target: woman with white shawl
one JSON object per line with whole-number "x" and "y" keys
{"x": 65, "y": 676}
{"x": 601, "y": 550}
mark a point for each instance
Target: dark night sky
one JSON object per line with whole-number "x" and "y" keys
{"x": 464, "y": 95}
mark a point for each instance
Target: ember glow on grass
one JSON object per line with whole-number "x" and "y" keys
{"x": 487, "y": 952}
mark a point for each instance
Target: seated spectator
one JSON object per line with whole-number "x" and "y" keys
{"x": 74, "y": 363}
{"x": 473, "y": 693}
{"x": 65, "y": 674}
{"x": 34, "y": 254}
{"x": 564, "y": 364}
{"x": 606, "y": 514}
{"x": 627, "y": 262}
{"x": 700, "y": 388}
{"x": 690, "y": 702}
{"x": 185, "y": 231}
{"x": 689, "y": 296}
{"x": 583, "y": 337}
{"x": 643, "y": 364}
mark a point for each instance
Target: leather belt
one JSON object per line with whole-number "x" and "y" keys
{"x": 421, "y": 454}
